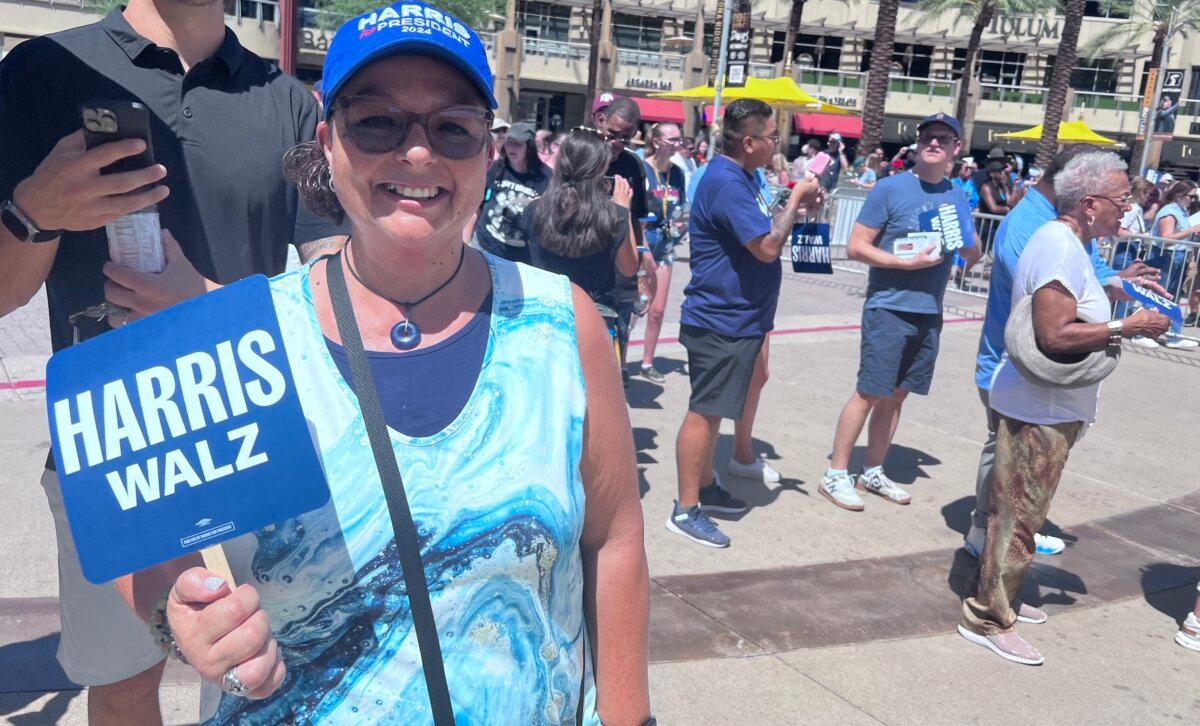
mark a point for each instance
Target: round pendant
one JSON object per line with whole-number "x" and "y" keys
{"x": 406, "y": 335}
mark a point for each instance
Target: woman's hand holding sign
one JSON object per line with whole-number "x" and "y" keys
{"x": 224, "y": 634}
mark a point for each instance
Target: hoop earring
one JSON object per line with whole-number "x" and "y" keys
{"x": 1091, "y": 220}
{"x": 329, "y": 184}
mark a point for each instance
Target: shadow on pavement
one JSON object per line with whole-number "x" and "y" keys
{"x": 644, "y": 439}
{"x": 1044, "y": 586}
{"x": 755, "y": 493}
{"x": 28, "y": 670}
{"x": 903, "y": 464}
{"x": 52, "y": 711}
{"x": 1176, "y": 602}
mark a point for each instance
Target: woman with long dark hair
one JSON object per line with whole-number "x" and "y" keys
{"x": 580, "y": 227}
{"x": 513, "y": 180}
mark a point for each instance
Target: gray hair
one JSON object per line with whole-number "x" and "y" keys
{"x": 1086, "y": 174}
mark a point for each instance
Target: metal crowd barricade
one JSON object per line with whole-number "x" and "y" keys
{"x": 974, "y": 280}
{"x": 840, "y": 211}
{"x": 1176, "y": 261}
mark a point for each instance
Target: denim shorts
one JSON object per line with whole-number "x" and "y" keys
{"x": 898, "y": 350}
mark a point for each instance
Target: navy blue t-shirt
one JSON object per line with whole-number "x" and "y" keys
{"x": 422, "y": 391}
{"x": 731, "y": 291}
{"x": 903, "y": 205}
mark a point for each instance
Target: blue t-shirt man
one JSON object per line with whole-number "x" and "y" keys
{"x": 903, "y": 208}
{"x": 731, "y": 292}
{"x": 1033, "y": 211}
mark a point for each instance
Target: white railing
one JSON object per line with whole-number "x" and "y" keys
{"x": 555, "y": 49}
{"x": 647, "y": 60}
{"x": 921, "y": 86}
{"x": 1190, "y": 107}
{"x": 1107, "y": 101}
{"x": 853, "y": 80}
{"x": 1012, "y": 94}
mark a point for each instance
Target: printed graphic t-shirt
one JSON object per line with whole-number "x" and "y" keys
{"x": 900, "y": 207}
{"x": 508, "y": 191}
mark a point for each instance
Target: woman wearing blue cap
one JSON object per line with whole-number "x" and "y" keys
{"x": 464, "y": 407}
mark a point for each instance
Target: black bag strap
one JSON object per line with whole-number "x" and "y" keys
{"x": 407, "y": 543}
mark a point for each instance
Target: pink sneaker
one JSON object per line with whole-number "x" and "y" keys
{"x": 1009, "y": 646}
{"x": 1030, "y": 614}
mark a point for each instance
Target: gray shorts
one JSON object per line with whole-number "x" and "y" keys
{"x": 102, "y": 640}
{"x": 898, "y": 350}
{"x": 720, "y": 368}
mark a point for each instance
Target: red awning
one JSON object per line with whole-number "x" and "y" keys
{"x": 658, "y": 109}
{"x": 823, "y": 124}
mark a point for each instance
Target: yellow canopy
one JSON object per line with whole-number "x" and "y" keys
{"x": 1069, "y": 132}
{"x": 779, "y": 92}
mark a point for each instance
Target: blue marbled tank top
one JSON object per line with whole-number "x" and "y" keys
{"x": 498, "y": 503}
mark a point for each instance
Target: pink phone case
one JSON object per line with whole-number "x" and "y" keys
{"x": 819, "y": 163}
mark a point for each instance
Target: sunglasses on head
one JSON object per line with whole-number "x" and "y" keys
{"x": 377, "y": 126}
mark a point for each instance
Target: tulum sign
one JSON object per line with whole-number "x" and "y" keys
{"x": 1025, "y": 27}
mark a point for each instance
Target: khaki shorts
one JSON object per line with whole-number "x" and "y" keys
{"x": 102, "y": 640}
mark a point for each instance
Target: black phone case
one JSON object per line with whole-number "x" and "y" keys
{"x": 106, "y": 121}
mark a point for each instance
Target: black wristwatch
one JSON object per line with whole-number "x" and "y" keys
{"x": 22, "y": 226}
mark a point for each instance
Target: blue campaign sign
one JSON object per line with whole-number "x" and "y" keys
{"x": 810, "y": 249}
{"x": 1154, "y": 300}
{"x": 180, "y": 431}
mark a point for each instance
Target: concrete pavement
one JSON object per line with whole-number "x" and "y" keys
{"x": 815, "y": 614}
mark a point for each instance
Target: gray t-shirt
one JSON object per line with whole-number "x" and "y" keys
{"x": 902, "y": 207}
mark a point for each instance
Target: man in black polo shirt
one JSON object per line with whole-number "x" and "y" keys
{"x": 221, "y": 120}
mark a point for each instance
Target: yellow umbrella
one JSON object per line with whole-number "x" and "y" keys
{"x": 1069, "y": 132}
{"x": 779, "y": 92}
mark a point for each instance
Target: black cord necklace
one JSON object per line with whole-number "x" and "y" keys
{"x": 405, "y": 334}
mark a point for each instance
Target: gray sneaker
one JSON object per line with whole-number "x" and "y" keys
{"x": 839, "y": 489}
{"x": 696, "y": 526}
{"x": 652, "y": 374}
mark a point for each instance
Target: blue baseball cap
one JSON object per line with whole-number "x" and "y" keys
{"x": 941, "y": 118}
{"x": 400, "y": 29}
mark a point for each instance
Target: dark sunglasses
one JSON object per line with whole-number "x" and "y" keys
{"x": 377, "y": 126}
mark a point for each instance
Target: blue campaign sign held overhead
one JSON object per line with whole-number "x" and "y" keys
{"x": 180, "y": 431}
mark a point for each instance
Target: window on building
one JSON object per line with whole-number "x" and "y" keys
{"x": 811, "y": 51}
{"x": 689, "y": 29}
{"x": 1097, "y": 75}
{"x": 997, "y": 66}
{"x": 907, "y": 59}
{"x": 543, "y": 20}
{"x": 1105, "y": 9}
{"x": 1194, "y": 84}
{"x": 637, "y": 32}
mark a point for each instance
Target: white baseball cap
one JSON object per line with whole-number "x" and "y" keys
{"x": 499, "y": 124}
{"x": 835, "y": 136}
{"x": 1166, "y": 176}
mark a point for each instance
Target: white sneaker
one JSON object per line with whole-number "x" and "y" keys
{"x": 878, "y": 483}
{"x": 1178, "y": 342}
{"x": 839, "y": 489}
{"x": 1045, "y": 544}
{"x": 1143, "y": 342}
{"x": 1189, "y": 633}
{"x": 758, "y": 469}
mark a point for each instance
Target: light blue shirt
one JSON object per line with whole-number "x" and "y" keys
{"x": 1033, "y": 211}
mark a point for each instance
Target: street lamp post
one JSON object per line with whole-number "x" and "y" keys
{"x": 719, "y": 81}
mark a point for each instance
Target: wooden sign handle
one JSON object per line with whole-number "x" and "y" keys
{"x": 214, "y": 559}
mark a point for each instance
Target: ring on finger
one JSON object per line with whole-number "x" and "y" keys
{"x": 230, "y": 683}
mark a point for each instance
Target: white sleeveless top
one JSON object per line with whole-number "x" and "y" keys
{"x": 498, "y": 503}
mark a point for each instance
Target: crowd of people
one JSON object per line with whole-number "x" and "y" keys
{"x": 508, "y": 264}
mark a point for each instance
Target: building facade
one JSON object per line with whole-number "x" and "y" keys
{"x": 540, "y": 52}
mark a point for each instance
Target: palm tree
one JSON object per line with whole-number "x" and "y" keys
{"x": 784, "y": 118}
{"x": 1146, "y": 17}
{"x": 1060, "y": 77}
{"x": 980, "y": 14}
{"x": 877, "y": 76}
{"x": 793, "y": 29}
{"x": 594, "y": 51}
